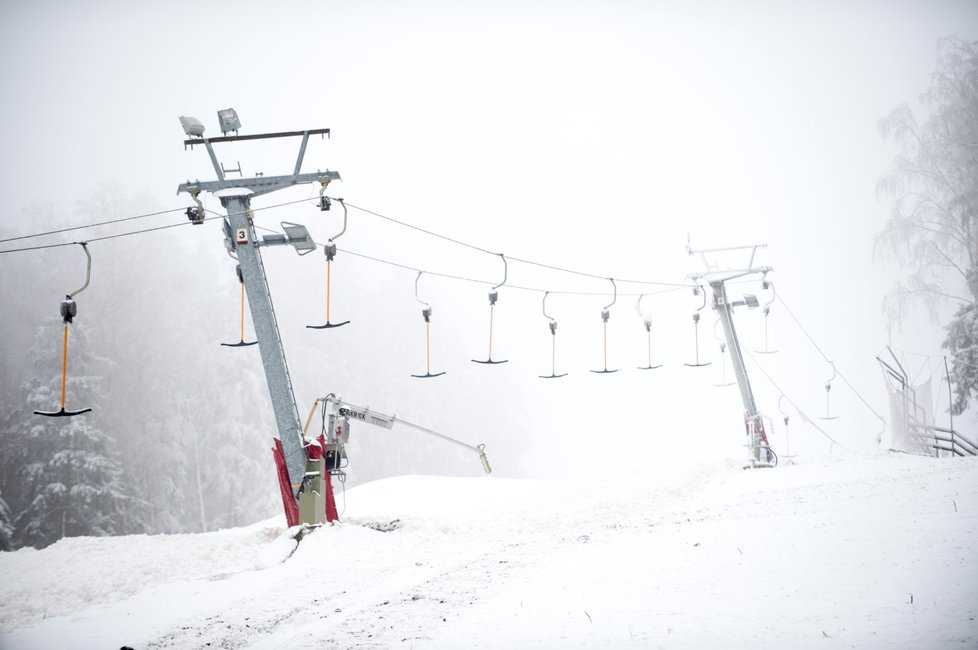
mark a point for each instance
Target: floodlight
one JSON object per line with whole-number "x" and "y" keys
{"x": 299, "y": 237}
{"x": 751, "y": 301}
{"x": 228, "y": 119}
{"x": 192, "y": 126}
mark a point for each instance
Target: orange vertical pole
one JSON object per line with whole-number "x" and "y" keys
{"x": 64, "y": 368}
{"x": 553, "y": 355}
{"x": 329, "y": 267}
{"x": 242, "y": 309}
{"x": 650, "y": 346}
{"x": 606, "y": 345}
{"x": 491, "y": 308}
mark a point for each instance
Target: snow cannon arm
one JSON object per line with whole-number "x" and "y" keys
{"x": 483, "y": 459}
{"x": 363, "y": 414}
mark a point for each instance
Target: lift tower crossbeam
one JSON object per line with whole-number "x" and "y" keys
{"x": 243, "y": 242}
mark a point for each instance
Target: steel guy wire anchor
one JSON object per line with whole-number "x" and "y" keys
{"x": 68, "y": 310}
{"x": 553, "y": 337}
{"x": 647, "y": 321}
{"x": 242, "y": 343}
{"x": 493, "y": 296}
{"x": 697, "y": 290}
{"x": 605, "y": 314}
{"x": 426, "y": 314}
{"x": 329, "y": 248}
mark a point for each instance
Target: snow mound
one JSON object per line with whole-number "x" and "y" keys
{"x": 864, "y": 552}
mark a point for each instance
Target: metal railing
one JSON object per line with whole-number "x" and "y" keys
{"x": 940, "y": 439}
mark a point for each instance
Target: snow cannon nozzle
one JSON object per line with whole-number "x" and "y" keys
{"x": 483, "y": 459}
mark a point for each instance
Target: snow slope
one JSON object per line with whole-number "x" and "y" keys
{"x": 858, "y": 552}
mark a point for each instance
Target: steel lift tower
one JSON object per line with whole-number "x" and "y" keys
{"x": 761, "y": 454}
{"x": 243, "y": 244}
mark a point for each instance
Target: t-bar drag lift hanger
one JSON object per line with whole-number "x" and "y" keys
{"x": 761, "y": 453}
{"x": 242, "y": 343}
{"x": 553, "y": 342}
{"x": 290, "y": 452}
{"x": 493, "y": 296}
{"x": 605, "y": 314}
{"x": 765, "y": 285}
{"x": 697, "y": 291}
{"x": 330, "y": 250}
{"x": 828, "y": 389}
{"x": 69, "y": 309}
{"x": 647, "y": 321}
{"x": 787, "y": 438}
{"x": 426, "y": 315}
{"x": 723, "y": 361}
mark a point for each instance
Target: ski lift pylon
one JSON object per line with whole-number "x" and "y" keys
{"x": 426, "y": 314}
{"x": 605, "y": 314}
{"x": 329, "y": 248}
{"x": 68, "y": 310}
{"x": 242, "y": 343}
{"x": 493, "y": 296}
{"x": 697, "y": 290}
{"x": 553, "y": 342}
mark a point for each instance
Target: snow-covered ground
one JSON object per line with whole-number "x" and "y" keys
{"x": 869, "y": 552}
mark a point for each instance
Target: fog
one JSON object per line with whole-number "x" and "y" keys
{"x": 595, "y": 139}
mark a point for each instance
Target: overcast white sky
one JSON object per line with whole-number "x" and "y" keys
{"x": 589, "y": 135}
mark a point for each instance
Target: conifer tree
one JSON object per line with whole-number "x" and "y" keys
{"x": 66, "y": 482}
{"x": 6, "y": 526}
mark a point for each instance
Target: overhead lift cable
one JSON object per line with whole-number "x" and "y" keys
{"x": 89, "y": 225}
{"x": 102, "y": 238}
{"x": 510, "y": 257}
{"x": 824, "y": 356}
{"x": 449, "y": 276}
{"x": 793, "y": 404}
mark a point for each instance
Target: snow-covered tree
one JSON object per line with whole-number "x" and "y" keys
{"x": 6, "y": 525}
{"x": 933, "y": 225}
{"x": 64, "y": 481}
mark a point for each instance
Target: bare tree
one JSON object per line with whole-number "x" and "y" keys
{"x": 933, "y": 226}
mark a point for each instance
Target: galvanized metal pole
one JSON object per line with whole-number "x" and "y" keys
{"x": 725, "y": 311}
{"x": 269, "y": 338}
